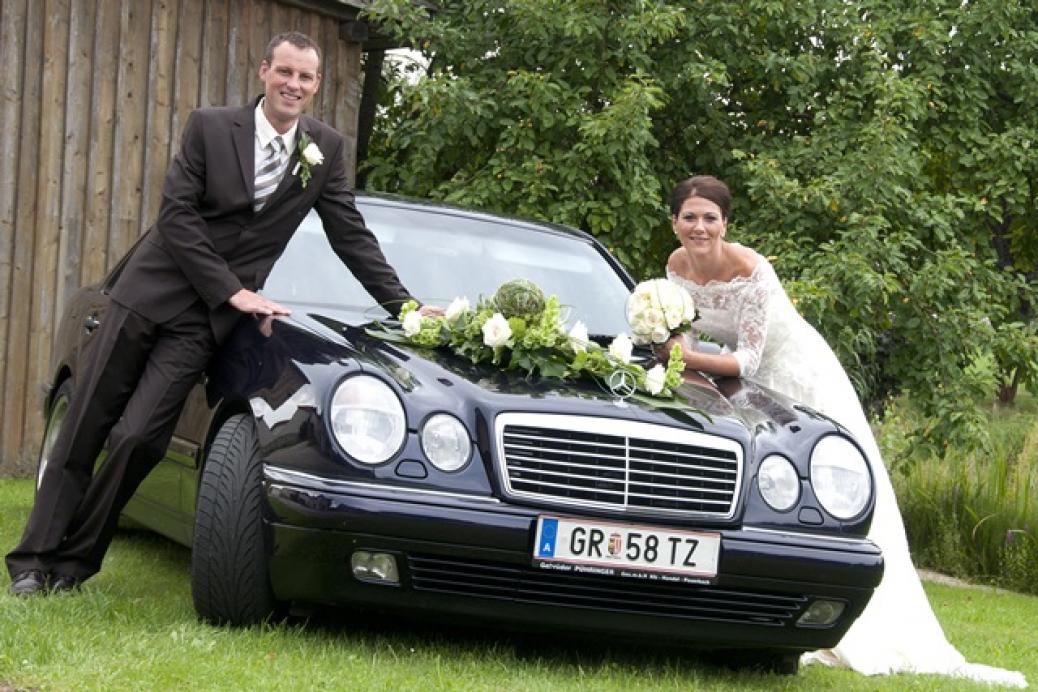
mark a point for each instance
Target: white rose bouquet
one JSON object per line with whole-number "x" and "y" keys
{"x": 657, "y": 310}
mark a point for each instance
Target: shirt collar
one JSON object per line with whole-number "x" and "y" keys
{"x": 266, "y": 132}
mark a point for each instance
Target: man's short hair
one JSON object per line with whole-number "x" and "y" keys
{"x": 295, "y": 38}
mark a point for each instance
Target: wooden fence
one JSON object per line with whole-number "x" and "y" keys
{"x": 94, "y": 96}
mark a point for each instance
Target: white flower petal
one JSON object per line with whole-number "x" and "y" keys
{"x": 655, "y": 379}
{"x": 496, "y": 331}
{"x": 621, "y": 348}
{"x": 457, "y": 308}
{"x": 578, "y": 337}
{"x": 313, "y": 155}
{"x": 412, "y": 323}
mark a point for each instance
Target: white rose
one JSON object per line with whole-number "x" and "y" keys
{"x": 496, "y": 331}
{"x": 578, "y": 337}
{"x": 621, "y": 348}
{"x": 655, "y": 379}
{"x": 456, "y": 309}
{"x": 660, "y": 334}
{"x": 412, "y": 323}
{"x": 312, "y": 154}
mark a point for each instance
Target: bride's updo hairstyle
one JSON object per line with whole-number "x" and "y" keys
{"x": 705, "y": 186}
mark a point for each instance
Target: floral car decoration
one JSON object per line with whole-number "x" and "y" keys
{"x": 518, "y": 328}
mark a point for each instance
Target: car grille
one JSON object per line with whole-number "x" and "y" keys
{"x": 531, "y": 585}
{"x": 618, "y": 464}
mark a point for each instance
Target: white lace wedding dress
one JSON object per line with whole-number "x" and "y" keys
{"x": 756, "y": 322}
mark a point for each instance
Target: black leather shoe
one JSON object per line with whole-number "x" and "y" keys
{"x": 27, "y": 583}
{"x": 63, "y": 582}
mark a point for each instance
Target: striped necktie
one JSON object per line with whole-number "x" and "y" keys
{"x": 269, "y": 174}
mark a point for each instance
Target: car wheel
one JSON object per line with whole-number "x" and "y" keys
{"x": 230, "y": 583}
{"x": 779, "y": 661}
{"x": 55, "y": 417}
{"x": 776, "y": 661}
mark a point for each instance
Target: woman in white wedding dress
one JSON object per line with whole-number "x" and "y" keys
{"x": 742, "y": 305}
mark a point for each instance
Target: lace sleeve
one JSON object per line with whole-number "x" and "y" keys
{"x": 753, "y": 322}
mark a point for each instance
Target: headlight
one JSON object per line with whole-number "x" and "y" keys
{"x": 446, "y": 442}
{"x": 840, "y": 477}
{"x": 778, "y": 482}
{"x": 368, "y": 419}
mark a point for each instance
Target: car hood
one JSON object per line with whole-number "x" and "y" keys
{"x": 733, "y": 407}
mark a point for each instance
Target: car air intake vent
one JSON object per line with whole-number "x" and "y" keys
{"x": 618, "y": 464}
{"x": 474, "y": 578}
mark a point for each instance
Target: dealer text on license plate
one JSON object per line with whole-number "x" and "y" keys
{"x": 590, "y": 545}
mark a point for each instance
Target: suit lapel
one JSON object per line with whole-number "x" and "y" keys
{"x": 243, "y": 134}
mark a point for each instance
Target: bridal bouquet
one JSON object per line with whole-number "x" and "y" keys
{"x": 659, "y": 309}
{"x": 519, "y": 328}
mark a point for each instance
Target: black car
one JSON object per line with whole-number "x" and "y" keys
{"x": 318, "y": 463}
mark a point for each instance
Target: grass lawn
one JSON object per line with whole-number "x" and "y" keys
{"x": 133, "y": 627}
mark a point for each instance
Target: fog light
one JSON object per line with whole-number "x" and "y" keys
{"x": 379, "y": 568}
{"x": 821, "y": 614}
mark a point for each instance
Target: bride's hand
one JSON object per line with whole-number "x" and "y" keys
{"x": 664, "y": 351}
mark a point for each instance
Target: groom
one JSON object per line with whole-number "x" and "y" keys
{"x": 233, "y": 196}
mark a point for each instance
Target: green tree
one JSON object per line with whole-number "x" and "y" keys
{"x": 883, "y": 152}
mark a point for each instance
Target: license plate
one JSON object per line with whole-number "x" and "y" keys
{"x": 600, "y": 547}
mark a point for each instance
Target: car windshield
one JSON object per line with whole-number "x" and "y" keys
{"x": 440, "y": 255}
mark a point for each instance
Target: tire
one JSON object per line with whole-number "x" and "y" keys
{"x": 776, "y": 661}
{"x": 230, "y": 581}
{"x": 55, "y": 417}
{"x": 772, "y": 661}
{"x": 784, "y": 663}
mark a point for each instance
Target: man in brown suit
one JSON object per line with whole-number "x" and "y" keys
{"x": 232, "y": 198}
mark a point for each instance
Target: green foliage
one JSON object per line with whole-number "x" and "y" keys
{"x": 884, "y": 152}
{"x": 974, "y": 516}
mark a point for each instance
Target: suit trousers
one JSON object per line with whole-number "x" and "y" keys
{"x": 136, "y": 377}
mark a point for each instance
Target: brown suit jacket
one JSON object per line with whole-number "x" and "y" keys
{"x": 208, "y": 243}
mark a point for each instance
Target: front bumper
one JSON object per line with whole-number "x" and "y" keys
{"x": 471, "y": 556}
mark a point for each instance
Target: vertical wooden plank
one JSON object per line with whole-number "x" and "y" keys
{"x": 347, "y": 102}
{"x": 328, "y": 39}
{"x": 48, "y": 208}
{"x": 128, "y": 152}
{"x": 313, "y": 29}
{"x": 77, "y": 142}
{"x": 12, "y": 18}
{"x": 238, "y": 83}
{"x": 158, "y": 102}
{"x": 189, "y": 71}
{"x": 281, "y": 19}
{"x": 215, "y": 43}
{"x": 26, "y": 163}
{"x": 259, "y": 35}
{"x": 102, "y": 128}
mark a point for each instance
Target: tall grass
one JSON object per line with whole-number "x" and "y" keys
{"x": 973, "y": 515}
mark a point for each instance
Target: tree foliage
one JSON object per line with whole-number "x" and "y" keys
{"x": 883, "y": 152}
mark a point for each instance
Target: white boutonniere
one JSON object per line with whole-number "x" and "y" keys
{"x": 309, "y": 155}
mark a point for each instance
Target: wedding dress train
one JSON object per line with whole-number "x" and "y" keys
{"x": 758, "y": 324}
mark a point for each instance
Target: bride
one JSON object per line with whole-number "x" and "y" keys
{"x": 743, "y": 306}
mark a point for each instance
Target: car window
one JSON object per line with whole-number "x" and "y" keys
{"x": 440, "y": 256}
